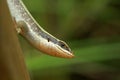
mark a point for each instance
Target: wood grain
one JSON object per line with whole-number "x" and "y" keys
{"x": 12, "y": 64}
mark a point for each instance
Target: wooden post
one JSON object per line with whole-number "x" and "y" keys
{"x": 12, "y": 65}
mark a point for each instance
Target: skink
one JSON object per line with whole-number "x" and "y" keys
{"x": 27, "y": 26}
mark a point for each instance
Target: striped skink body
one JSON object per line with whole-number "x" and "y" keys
{"x": 34, "y": 33}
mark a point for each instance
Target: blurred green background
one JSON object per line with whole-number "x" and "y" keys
{"x": 90, "y": 27}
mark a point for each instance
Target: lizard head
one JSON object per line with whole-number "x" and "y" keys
{"x": 58, "y": 49}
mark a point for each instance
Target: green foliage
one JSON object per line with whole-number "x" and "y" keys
{"x": 88, "y": 53}
{"x": 91, "y": 56}
{"x": 69, "y": 18}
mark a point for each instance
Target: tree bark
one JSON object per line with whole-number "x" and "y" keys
{"x": 12, "y": 65}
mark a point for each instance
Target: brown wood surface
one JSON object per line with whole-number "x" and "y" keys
{"x": 12, "y": 64}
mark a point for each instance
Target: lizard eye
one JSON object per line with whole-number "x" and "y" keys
{"x": 64, "y": 45}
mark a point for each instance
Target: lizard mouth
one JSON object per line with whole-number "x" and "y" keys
{"x": 65, "y": 53}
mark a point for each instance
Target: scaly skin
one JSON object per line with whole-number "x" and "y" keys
{"x": 34, "y": 33}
